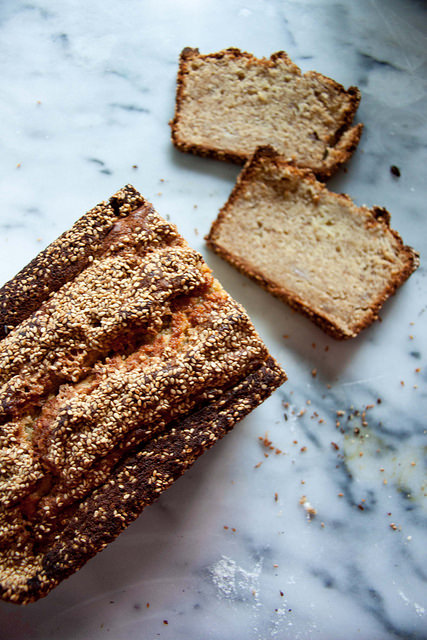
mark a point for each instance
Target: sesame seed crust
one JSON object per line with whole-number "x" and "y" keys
{"x": 123, "y": 361}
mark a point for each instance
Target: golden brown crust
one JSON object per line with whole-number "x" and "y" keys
{"x": 63, "y": 259}
{"x": 376, "y": 217}
{"x": 137, "y": 481}
{"x": 135, "y": 352}
{"x": 342, "y": 142}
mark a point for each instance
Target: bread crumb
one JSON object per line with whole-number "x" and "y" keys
{"x": 311, "y": 511}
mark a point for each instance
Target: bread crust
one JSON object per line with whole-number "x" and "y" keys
{"x": 379, "y": 217}
{"x": 115, "y": 376}
{"x": 342, "y": 144}
{"x": 63, "y": 259}
{"x": 103, "y": 515}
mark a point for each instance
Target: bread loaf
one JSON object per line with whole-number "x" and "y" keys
{"x": 228, "y": 103}
{"x": 122, "y": 361}
{"x": 334, "y": 261}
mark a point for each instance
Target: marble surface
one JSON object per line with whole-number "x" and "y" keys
{"x": 322, "y": 533}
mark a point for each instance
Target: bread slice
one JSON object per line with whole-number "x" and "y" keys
{"x": 316, "y": 250}
{"x": 229, "y": 103}
{"x": 124, "y": 360}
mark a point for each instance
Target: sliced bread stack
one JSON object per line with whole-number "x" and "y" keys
{"x": 332, "y": 260}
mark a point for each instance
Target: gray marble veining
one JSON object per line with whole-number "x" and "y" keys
{"x": 309, "y": 519}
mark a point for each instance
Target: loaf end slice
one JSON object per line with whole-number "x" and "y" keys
{"x": 124, "y": 360}
{"x": 335, "y": 262}
{"x": 229, "y": 103}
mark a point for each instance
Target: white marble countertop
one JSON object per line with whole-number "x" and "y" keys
{"x": 229, "y": 552}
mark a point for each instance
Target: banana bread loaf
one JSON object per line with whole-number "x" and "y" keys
{"x": 122, "y": 360}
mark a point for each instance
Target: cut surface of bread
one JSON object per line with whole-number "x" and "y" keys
{"x": 328, "y": 258}
{"x": 229, "y": 103}
{"x": 123, "y": 361}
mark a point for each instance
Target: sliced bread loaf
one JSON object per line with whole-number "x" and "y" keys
{"x": 123, "y": 361}
{"x": 230, "y": 102}
{"x": 334, "y": 261}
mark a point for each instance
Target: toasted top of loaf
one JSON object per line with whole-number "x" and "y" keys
{"x": 334, "y": 261}
{"x": 118, "y": 335}
{"x": 228, "y": 103}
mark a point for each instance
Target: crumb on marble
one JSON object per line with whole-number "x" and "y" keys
{"x": 311, "y": 511}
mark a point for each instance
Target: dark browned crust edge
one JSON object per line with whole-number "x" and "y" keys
{"x": 58, "y": 263}
{"x": 379, "y": 216}
{"x": 343, "y": 145}
{"x": 121, "y": 501}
